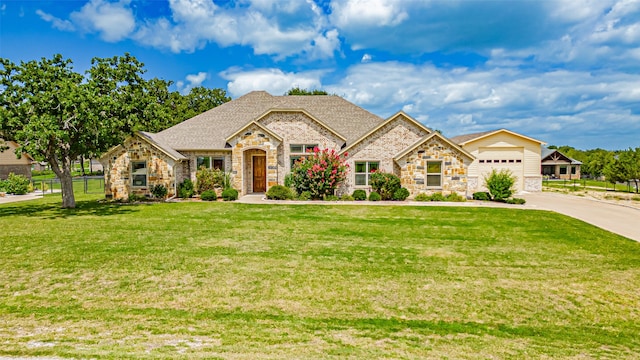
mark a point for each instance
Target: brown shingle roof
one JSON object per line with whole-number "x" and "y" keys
{"x": 466, "y": 137}
{"x": 210, "y": 129}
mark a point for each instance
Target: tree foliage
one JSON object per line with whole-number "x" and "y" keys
{"x": 298, "y": 91}
{"x": 320, "y": 173}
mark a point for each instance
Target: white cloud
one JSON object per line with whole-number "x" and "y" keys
{"x": 274, "y": 81}
{"x": 192, "y": 80}
{"x": 548, "y": 105}
{"x": 60, "y": 24}
{"x": 354, "y": 13}
{"x": 113, "y": 21}
{"x": 366, "y": 58}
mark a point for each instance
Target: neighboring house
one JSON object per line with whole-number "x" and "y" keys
{"x": 10, "y": 163}
{"x": 258, "y": 137}
{"x": 503, "y": 149}
{"x": 557, "y": 165}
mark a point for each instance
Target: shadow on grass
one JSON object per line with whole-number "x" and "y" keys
{"x": 54, "y": 211}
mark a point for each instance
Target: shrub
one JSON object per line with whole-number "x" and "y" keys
{"x": 455, "y": 197}
{"x": 500, "y": 184}
{"x": 3, "y": 186}
{"x": 185, "y": 190}
{"x": 481, "y": 195}
{"x": 422, "y": 197}
{"x": 209, "y": 179}
{"x": 230, "y": 194}
{"x": 279, "y": 192}
{"x": 158, "y": 191}
{"x": 401, "y": 194}
{"x": 374, "y": 196}
{"x": 209, "y": 195}
{"x": 16, "y": 184}
{"x": 305, "y": 195}
{"x": 135, "y": 197}
{"x": 330, "y": 198}
{"x": 517, "y": 201}
{"x": 288, "y": 181}
{"x": 319, "y": 173}
{"x": 359, "y": 195}
{"x": 346, "y": 197}
{"x": 437, "y": 197}
{"x": 385, "y": 184}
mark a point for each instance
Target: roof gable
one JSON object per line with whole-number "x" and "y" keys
{"x": 553, "y": 155}
{"x": 396, "y": 116}
{"x": 469, "y": 138}
{"x": 302, "y": 111}
{"x": 259, "y": 126}
{"x": 429, "y": 137}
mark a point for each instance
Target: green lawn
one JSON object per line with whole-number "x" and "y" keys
{"x": 228, "y": 280}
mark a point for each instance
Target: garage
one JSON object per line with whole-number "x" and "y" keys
{"x": 503, "y": 158}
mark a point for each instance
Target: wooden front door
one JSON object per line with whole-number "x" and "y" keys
{"x": 259, "y": 174}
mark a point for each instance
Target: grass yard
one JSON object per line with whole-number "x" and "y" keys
{"x": 234, "y": 281}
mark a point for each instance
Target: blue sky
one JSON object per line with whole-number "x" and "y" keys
{"x": 565, "y": 72}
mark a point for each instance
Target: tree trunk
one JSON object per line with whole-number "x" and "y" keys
{"x": 66, "y": 180}
{"x": 82, "y": 165}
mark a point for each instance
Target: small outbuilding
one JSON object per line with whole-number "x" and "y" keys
{"x": 11, "y": 163}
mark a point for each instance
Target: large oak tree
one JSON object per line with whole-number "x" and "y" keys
{"x": 57, "y": 114}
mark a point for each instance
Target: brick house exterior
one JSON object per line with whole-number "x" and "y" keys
{"x": 257, "y": 138}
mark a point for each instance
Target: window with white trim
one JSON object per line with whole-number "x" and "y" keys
{"x": 297, "y": 151}
{"x": 434, "y": 173}
{"x": 139, "y": 173}
{"x": 363, "y": 170}
{"x": 210, "y": 162}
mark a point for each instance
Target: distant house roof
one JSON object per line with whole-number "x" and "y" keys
{"x": 211, "y": 129}
{"x": 553, "y": 155}
{"x": 467, "y": 138}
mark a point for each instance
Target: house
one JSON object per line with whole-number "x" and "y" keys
{"x": 557, "y": 165}
{"x": 258, "y": 137}
{"x": 10, "y": 163}
{"x": 503, "y": 150}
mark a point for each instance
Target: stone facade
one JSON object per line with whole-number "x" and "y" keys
{"x": 250, "y": 142}
{"x": 533, "y": 183}
{"x": 382, "y": 145}
{"x": 454, "y": 165}
{"x": 118, "y": 177}
{"x": 191, "y": 167}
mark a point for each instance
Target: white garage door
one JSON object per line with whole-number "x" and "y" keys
{"x": 509, "y": 158}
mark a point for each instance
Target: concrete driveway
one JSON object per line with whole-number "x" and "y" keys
{"x": 619, "y": 219}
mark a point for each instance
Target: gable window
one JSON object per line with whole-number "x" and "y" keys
{"x": 139, "y": 173}
{"x": 434, "y": 173}
{"x": 299, "y": 150}
{"x": 364, "y": 170}
{"x": 210, "y": 162}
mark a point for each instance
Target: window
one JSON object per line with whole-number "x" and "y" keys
{"x": 139, "y": 173}
{"x": 434, "y": 173}
{"x": 563, "y": 170}
{"x": 573, "y": 170}
{"x": 297, "y": 151}
{"x": 364, "y": 170}
{"x": 210, "y": 162}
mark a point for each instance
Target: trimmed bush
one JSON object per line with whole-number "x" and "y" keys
{"x": 230, "y": 194}
{"x": 305, "y": 195}
{"x": 455, "y": 197}
{"x": 374, "y": 196}
{"x": 516, "y": 201}
{"x": 209, "y": 195}
{"x": 185, "y": 190}
{"x": 330, "y": 198}
{"x": 481, "y": 195}
{"x": 401, "y": 194}
{"x": 158, "y": 191}
{"x": 500, "y": 184}
{"x": 437, "y": 197}
{"x": 209, "y": 179}
{"x": 16, "y": 184}
{"x": 359, "y": 195}
{"x": 346, "y": 197}
{"x": 279, "y": 192}
{"x": 422, "y": 197}
{"x": 385, "y": 184}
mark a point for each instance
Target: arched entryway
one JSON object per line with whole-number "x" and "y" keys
{"x": 255, "y": 171}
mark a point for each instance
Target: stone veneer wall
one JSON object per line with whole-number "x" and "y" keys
{"x": 193, "y": 155}
{"x": 390, "y": 140}
{"x": 413, "y": 168}
{"x": 297, "y": 128}
{"x": 160, "y": 169}
{"x": 243, "y": 147}
{"x": 533, "y": 183}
